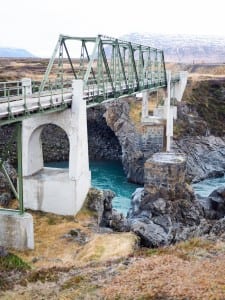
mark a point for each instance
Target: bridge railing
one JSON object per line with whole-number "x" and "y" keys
{"x": 102, "y": 90}
{"x": 10, "y": 88}
{"x": 14, "y": 90}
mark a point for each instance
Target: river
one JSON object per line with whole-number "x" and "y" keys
{"x": 110, "y": 175}
{"x": 205, "y": 187}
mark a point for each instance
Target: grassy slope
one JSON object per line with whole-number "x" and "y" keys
{"x": 208, "y": 97}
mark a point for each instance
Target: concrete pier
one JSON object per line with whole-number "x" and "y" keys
{"x": 57, "y": 191}
{"x": 16, "y": 231}
{"x": 163, "y": 172}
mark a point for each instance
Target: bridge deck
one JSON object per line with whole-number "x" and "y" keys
{"x": 16, "y": 107}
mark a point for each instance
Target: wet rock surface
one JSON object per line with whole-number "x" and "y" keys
{"x": 102, "y": 141}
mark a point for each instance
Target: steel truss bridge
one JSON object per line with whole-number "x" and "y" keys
{"x": 110, "y": 68}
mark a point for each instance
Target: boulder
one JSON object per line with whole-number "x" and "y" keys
{"x": 205, "y": 156}
{"x": 214, "y": 204}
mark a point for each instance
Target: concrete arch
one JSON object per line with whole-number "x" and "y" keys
{"x": 33, "y": 145}
{"x": 57, "y": 190}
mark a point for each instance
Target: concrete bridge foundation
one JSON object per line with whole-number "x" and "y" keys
{"x": 16, "y": 231}
{"x": 59, "y": 191}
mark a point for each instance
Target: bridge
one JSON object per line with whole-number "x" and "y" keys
{"x": 82, "y": 72}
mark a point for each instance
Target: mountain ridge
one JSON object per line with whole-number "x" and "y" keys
{"x": 187, "y": 48}
{"x": 6, "y": 52}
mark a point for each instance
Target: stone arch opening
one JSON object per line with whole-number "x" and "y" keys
{"x": 55, "y": 144}
{"x": 58, "y": 191}
{"x": 44, "y": 146}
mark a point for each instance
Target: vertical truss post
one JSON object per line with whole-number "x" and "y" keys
{"x": 141, "y": 67}
{"x": 122, "y": 64}
{"x": 60, "y": 65}
{"x": 20, "y": 172}
{"x": 134, "y": 69}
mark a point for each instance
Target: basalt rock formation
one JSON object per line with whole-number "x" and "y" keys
{"x": 138, "y": 141}
{"x": 5, "y": 191}
{"x": 205, "y": 156}
{"x": 199, "y": 130}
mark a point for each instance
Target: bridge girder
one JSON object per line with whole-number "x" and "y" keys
{"x": 106, "y": 64}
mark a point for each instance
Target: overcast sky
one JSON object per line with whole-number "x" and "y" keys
{"x": 36, "y": 24}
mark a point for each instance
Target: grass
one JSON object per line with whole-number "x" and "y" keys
{"x": 10, "y": 263}
{"x": 13, "y": 262}
{"x": 72, "y": 282}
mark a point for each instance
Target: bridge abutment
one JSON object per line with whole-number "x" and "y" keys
{"x": 16, "y": 230}
{"x": 60, "y": 191}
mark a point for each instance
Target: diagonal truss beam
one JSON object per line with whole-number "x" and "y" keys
{"x": 134, "y": 67}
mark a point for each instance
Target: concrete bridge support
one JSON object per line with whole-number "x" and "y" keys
{"x": 16, "y": 231}
{"x": 59, "y": 191}
{"x": 177, "y": 88}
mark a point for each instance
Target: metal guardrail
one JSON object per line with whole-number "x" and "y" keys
{"x": 19, "y": 100}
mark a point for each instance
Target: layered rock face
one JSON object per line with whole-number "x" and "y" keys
{"x": 138, "y": 141}
{"x": 102, "y": 141}
{"x": 205, "y": 156}
{"x": 199, "y": 129}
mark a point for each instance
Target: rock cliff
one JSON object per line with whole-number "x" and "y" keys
{"x": 138, "y": 141}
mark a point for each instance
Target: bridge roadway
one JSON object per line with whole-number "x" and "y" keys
{"x": 18, "y": 107}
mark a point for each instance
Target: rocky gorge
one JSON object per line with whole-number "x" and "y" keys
{"x": 115, "y": 132}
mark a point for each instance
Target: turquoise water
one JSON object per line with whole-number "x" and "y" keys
{"x": 205, "y": 187}
{"x": 109, "y": 175}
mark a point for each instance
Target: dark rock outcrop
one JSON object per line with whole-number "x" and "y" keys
{"x": 205, "y": 156}
{"x": 160, "y": 221}
{"x": 102, "y": 141}
{"x": 166, "y": 210}
{"x": 6, "y": 193}
{"x": 214, "y": 204}
{"x": 100, "y": 202}
{"x": 138, "y": 141}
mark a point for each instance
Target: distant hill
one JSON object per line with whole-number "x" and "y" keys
{"x": 184, "y": 48}
{"x": 14, "y": 52}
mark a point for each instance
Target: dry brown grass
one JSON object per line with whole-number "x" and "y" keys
{"x": 51, "y": 248}
{"x": 54, "y": 248}
{"x": 193, "y": 269}
{"x": 190, "y": 270}
{"x": 108, "y": 246}
{"x": 15, "y": 69}
{"x": 198, "y": 72}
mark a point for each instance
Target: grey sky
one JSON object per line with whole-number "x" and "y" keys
{"x": 36, "y": 25}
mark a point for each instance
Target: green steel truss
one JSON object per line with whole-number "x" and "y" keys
{"x": 109, "y": 67}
